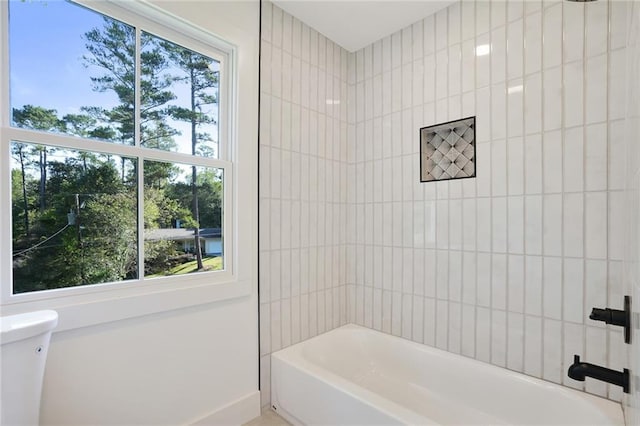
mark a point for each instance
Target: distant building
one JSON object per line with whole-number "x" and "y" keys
{"x": 211, "y": 238}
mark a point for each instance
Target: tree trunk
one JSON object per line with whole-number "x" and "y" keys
{"x": 25, "y": 204}
{"x": 194, "y": 172}
{"x": 43, "y": 178}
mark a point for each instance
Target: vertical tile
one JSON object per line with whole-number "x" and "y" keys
{"x": 573, "y": 290}
{"x": 407, "y": 315}
{"x": 484, "y": 234}
{"x": 429, "y": 39}
{"x": 617, "y": 155}
{"x": 498, "y": 53}
{"x": 455, "y": 328}
{"x": 552, "y": 154}
{"x": 617, "y": 221}
{"x": 552, "y": 220}
{"x": 515, "y": 51}
{"x": 573, "y": 158}
{"x": 454, "y": 23}
{"x": 618, "y": 23}
{"x": 454, "y": 75}
{"x": 469, "y": 224}
{"x": 573, "y": 31}
{"x": 468, "y": 64}
{"x": 469, "y": 269}
{"x": 499, "y": 224}
{"x": 468, "y": 20}
{"x": 396, "y": 314}
{"x": 499, "y": 281}
{"x": 387, "y": 307}
{"x": 483, "y": 289}
{"x": 515, "y": 107}
{"x": 417, "y": 327}
{"x": 596, "y": 225}
{"x": 533, "y": 164}
{"x": 429, "y": 321}
{"x": 596, "y": 89}
{"x": 552, "y": 94}
{"x": 499, "y": 172}
{"x": 596, "y": 157}
{"x": 499, "y": 338}
{"x": 533, "y": 103}
{"x": 441, "y": 29}
{"x": 596, "y": 28}
{"x": 552, "y": 357}
{"x": 552, "y": 37}
{"x": 515, "y": 225}
{"x": 468, "y": 330}
{"x": 483, "y": 334}
{"x": 498, "y": 111}
{"x": 533, "y": 224}
{"x": 442, "y": 325}
{"x": 533, "y": 285}
{"x": 573, "y": 225}
{"x": 498, "y": 14}
{"x": 533, "y": 42}
{"x": 533, "y": 339}
{"x": 552, "y": 288}
{"x": 515, "y": 341}
{"x": 516, "y": 283}
{"x": 483, "y": 16}
{"x": 617, "y": 84}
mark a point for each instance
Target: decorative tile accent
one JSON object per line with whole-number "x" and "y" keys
{"x": 447, "y": 150}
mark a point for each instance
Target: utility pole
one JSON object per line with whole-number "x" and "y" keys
{"x": 79, "y": 232}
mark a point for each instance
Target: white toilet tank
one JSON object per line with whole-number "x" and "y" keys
{"x": 24, "y": 341}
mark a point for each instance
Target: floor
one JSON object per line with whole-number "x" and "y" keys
{"x": 268, "y": 418}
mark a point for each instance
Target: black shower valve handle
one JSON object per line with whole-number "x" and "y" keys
{"x": 618, "y": 317}
{"x": 609, "y": 316}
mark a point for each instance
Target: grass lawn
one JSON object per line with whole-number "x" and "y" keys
{"x": 209, "y": 263}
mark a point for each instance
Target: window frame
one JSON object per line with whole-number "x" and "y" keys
{"x": 191, "y": 289}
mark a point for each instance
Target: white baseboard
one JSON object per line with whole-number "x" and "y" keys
{"x": 237, "y": 412}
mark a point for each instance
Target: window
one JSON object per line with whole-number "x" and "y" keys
{"x": 117, "y": 145}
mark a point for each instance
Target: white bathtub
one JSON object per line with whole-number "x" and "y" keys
{"x": 354, "y": 375}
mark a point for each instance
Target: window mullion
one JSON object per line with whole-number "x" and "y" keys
{"x": 140, "y": 168}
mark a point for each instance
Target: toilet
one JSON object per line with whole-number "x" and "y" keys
{"x": 24, "y": 341}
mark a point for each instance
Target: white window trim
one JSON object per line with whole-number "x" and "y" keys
{"x": 98, "y": 303}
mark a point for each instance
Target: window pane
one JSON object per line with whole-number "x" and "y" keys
{"x": 74, "y": 217}
{"x": 179, "y": 91}
{"x": 74, "y": 73}
{"x": 182, "y": 221}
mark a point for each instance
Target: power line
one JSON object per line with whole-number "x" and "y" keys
{"x": 40, "y": 243}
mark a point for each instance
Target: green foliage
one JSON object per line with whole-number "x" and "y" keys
{"x": 75, "y": 220}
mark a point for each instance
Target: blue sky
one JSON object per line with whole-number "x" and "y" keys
{"x": 46, "y": 48}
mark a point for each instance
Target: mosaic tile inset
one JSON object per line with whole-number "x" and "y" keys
{"x": 447, "y": 150}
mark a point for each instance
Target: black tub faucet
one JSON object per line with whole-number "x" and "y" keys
{"x": 580, "y": 370}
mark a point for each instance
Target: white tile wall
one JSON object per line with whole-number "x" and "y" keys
{"x": 304, "y": 146}
{"x": 631, "y": 255}
{"x": 503, "y": 268}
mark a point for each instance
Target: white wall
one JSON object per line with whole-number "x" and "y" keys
{"x": 503, "y": 268}
{"x": 303, "y": 145}
{"x": 178, "y": 366}
{"x": 632, "y": 252}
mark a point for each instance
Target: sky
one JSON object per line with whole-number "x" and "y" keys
{"x": 46, "y": 47}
